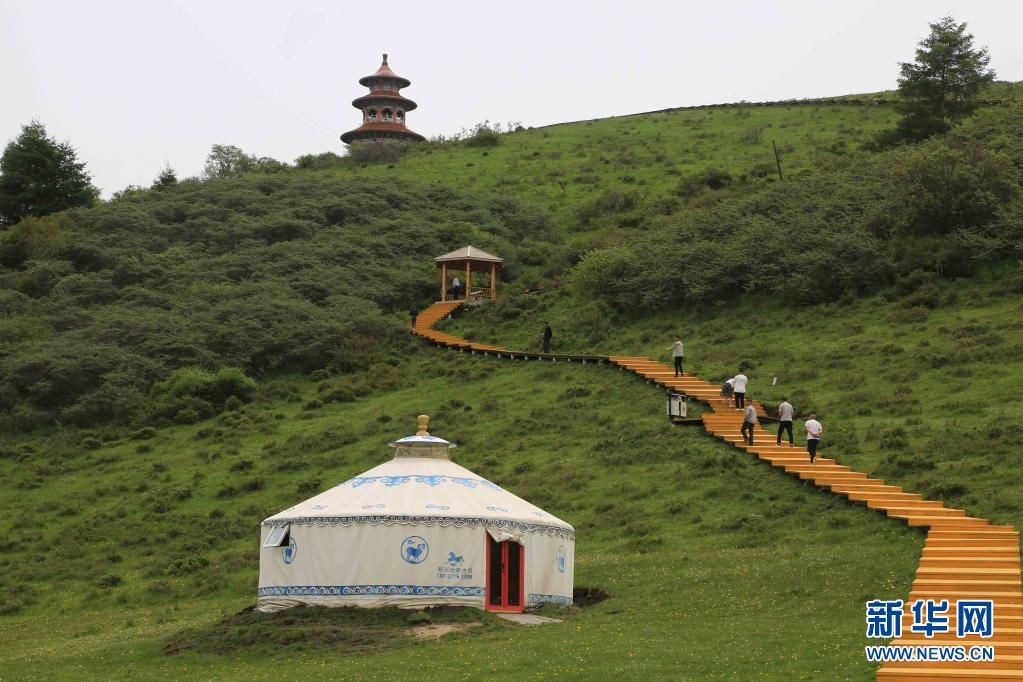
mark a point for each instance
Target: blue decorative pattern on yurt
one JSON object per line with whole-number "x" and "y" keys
{"x": 549, "y": 599}
{"x": 369, "y": 591}
{"x": 444, "y": 521}
{"x": 426, "y": 479}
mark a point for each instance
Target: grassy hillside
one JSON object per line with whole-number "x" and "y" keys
{"x": 916, "y": 385}
{"x": 180, "y": 364}
{"x": 600, "y": 178}
{"x": 715, "y": 565}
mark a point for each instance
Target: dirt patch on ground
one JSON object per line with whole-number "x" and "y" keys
{"x": 346, "y": 631}
{"x": 588, "y": 596}
{"x": 438, "y": 630}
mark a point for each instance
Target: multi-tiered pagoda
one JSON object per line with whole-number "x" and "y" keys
{"x": 383, "y": 109}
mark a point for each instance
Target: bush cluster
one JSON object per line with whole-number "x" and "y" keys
{"x": 163, "y": 305}
{"x": 938, "y": 209}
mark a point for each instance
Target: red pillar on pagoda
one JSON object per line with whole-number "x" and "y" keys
{"x": 383, "y": 109}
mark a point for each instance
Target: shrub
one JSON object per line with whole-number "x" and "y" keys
{"x": 947, "y": 490}
{"x": 339, "y": 394}
{"x": 708, "y": 178}
{"x": 893, "y": 439}
{"x": 144, "y": 433}
{"x": 186, "y": 416}
{"x": 188, "y": 565}
{"x": 232, "y": 382}
{"x": 575, "y": 392}
{"x": 108, "y": 581}
{"x": 308, "y": 487}
{"x": 377, "y": 151}
{"x": 913, "y": 315}
{"x": 213, "y": 387}
{"x": 483, "y": 137}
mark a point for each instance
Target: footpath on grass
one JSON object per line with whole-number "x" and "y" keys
{"x": 964, "y": 557}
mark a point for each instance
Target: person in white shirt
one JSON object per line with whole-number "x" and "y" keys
{"x": 813, "y": 435}
{"x": 676, "y": 354}
{"x": 749, "y": 421}
{"x": 785, "y": 411}
{"x": 456, "y": 288}
{"x": 739, "y": 389}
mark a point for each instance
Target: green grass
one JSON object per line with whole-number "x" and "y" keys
{"x": 716, "y": 564}
{"x": 567, "y": 169}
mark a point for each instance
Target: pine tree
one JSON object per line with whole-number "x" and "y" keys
{"x": 940, "y": 88}
{"x": 39, "y": 176}
{"x": 166, "y": 178}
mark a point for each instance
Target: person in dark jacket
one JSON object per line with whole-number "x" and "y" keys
{"x": 413, "y": 313}
{"x": 547, "y": 334}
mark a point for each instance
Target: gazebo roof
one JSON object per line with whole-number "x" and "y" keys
{"x": 468, "y": 253}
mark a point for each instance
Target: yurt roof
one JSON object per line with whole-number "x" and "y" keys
{"x": 421, "y": 485}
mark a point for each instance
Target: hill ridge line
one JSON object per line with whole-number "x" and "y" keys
{"x": 815, "y": 101}
{"x": 963, "y": 556}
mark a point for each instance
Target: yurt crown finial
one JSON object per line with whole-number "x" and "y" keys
{"x": 385, "y": 57}
{"x": 424, "y": 424}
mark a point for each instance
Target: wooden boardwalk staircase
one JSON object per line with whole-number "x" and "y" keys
{"x": 964, "y": 557}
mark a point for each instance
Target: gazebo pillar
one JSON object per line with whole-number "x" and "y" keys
{"x": 493, "y": 281}
{"x": 468, "y": 279}
{"x": 444, "y": 282}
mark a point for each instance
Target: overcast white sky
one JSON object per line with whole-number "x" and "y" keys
{"x": 133, "y": 84}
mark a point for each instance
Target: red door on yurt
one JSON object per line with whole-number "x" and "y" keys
{"x": 506, "y": 570}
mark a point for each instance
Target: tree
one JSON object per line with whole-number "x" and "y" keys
{"x": 166, "y": 178}
{"x": 39, "y": 176}
{"x": 226, "y": 161}
{"x": 940, "y": 88}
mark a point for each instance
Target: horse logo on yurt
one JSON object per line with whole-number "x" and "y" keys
{"x": 414, "y": 550}
{"x": 291, "y": 551}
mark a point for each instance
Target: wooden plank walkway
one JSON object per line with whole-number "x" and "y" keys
{"x": 964, "y": 556}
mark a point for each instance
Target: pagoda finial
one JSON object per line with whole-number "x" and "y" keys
{"x": 424, "y": 424}
{"x": 385, "y": 59}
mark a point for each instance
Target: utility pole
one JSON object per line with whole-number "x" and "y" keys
{"x": 777, "y": 159}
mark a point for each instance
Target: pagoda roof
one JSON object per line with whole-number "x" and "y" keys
{"x": 368, "y": 130}
{"x": 384, "y": 72}
{"x": 468, "y": 253}
{"x": 391, "y": 95}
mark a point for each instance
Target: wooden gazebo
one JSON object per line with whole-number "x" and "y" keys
{"x": 468, "y": 258}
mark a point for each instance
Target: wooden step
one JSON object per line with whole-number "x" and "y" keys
{"x": 990, "y": 551}
{"x": 844, "y": 488}
{"x": 922, "y": 511}
{"x": 969, "y": 562}
{"x": 990, "y": 533}
{"x": 940, "y": 572}
{"x": 930, "y": 521}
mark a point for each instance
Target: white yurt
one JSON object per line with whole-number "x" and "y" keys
{"x": 416, "y": 531}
